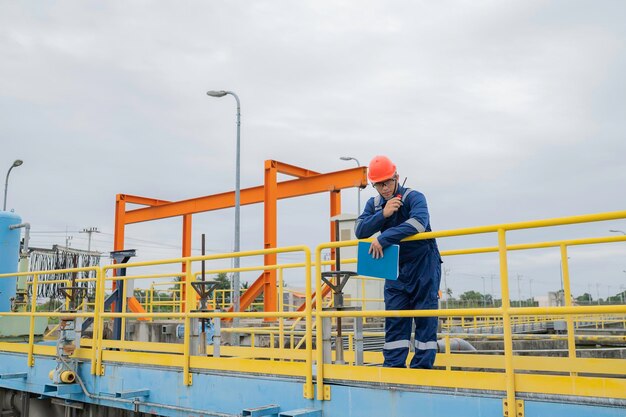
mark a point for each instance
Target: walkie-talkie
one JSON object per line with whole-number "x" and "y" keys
{"x": 400, "y": 195}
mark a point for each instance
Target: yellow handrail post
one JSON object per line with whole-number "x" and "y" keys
{"x": 508, "y": 338}
{"x": 319, "y": 377}
{"x": 308, "y": 391}
{"x": 571, "y": 341}
{"x": 363, "y": 301}
{"x": 447, "y": 353}
{"x": 96, "y": 323}
{"x": 124, "y": 306}
{"x": 150, "y": 297}
{"x": 281, "y": 307}
{"x": 186, "y": 344}
{"x": 100, "y": 332}
{"x": 31, "y": 329}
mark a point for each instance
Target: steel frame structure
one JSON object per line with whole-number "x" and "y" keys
{"x": 306, "y": 182}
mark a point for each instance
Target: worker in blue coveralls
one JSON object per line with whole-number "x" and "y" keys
{"x": 399, "y": 212}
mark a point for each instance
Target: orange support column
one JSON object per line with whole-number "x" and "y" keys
{"x": 270, "y": 239}
{"x": 118, "y": 237}
{"x": 120, "y": 225}
{"x": 186, "y": 252}
{"x": 120, "y": 222}
{"x": 186, "y": 236}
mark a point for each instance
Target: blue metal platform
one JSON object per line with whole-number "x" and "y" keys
{"x": 160, "y": 390}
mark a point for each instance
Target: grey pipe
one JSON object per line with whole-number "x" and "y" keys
{"x": 26, "y": 227}
{"x": 456, "y": 345}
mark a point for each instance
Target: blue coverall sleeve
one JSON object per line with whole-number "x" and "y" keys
{"x": 369, "y": 222}
{"x": 417, "y": 223}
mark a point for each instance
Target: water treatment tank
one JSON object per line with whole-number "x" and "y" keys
{"x": 9, "y": 256}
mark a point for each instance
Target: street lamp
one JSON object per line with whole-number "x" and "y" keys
{"x": 349, "y": 158}
{"x": 618, "y": 231}
{"x": 16, "y": 163}
{"x": 236, "y": 291}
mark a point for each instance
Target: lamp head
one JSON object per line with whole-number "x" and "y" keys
{"x": 346, "y": 158}
{"x": 216, "y": 93}
{"x": 17, "y": 162}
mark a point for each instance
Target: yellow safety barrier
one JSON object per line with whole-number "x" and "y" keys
{"x": 187, "y": 361}
{"x": 506, "y": 312}
{"x": 32, "y": 348}
{"x": 507, "y": 372}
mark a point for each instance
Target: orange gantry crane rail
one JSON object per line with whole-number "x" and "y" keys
{"x": 306, "y": 182}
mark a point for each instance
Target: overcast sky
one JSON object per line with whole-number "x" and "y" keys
{"x": 498, "y": 111}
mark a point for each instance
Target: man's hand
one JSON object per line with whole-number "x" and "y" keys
{"x": 392, "y": 206}
{"x": 375, "y": 249}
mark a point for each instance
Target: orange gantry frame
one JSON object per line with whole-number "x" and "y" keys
{"x": 306, "y": 182}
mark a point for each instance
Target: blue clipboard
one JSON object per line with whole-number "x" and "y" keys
{"x": 386, "y": 267}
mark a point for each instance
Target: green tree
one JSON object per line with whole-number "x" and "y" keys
{"x": 223, "y": 281}
{"x": 584, "y": 299}
{"x": 471, "y": 297}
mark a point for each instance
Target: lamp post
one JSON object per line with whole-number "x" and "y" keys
{"x": 349, "y": 158}
{"x": 618, "y": 231}
{"x": 16, "y": 163}
{"x": 236, "y": 291}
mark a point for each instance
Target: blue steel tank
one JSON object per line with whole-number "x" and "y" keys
{"x": 9, "y": 256}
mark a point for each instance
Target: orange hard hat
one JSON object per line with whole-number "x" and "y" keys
{"x": 380, "y": 169}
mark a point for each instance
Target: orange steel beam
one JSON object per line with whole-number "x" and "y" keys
{"x": 334, "y": 181}
{"x": 120, "y": 221}
{"x": 253, "y": 291}
{"x": 135, "y": 199}
{"x": 120, "y": 214}
{"x": 325, "y": 291}
{"x": 308, "y": 182}
{"x": 266, "y": 283}
{"x": 293, "y": 170}
{"x": 118, "y": 239}
{"x": 186, "y": 252}
{"x": 186, "y": 236}
{"x": 270, "y": 239}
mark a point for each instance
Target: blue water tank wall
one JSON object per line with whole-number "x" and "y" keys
{"x": 9, "y": 256}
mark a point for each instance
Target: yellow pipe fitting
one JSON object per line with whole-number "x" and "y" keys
{"x": 68, "y": 377}
{"x": 51, "y": 375}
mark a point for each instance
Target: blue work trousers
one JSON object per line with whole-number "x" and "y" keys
{"x": 415, "y": 294}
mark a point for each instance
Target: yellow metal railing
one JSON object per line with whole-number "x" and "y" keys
{"x": 506, "y": 312}
{"x": 173, "y": 291}
{"x": 507, "y": 372}
{"x": 32, "y": 313}
{"x": 186, "y": 361}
